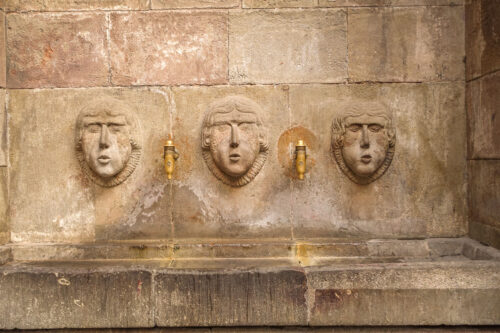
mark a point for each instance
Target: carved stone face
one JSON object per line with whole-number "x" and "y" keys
{"x": 363, "y": 142}
{"x": 105, "y": 145}
{"x": 233, "y": 143}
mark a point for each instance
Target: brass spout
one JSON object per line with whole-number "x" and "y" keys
{"x": 300, "y": 159}
{"x": 170, "y": 155}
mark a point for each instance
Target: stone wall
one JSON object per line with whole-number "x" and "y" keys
{"x": 300, "y": 60}
{"x": 483, "y": 99}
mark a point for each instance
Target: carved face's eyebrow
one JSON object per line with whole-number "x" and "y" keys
{"x": 99, "y": 120}
{"x": 233, "y": 117}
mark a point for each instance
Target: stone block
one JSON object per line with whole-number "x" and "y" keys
{"x": 75, "y": 5}
{"x": 396, "y": 3}
{"x": 482, "y": 39}
{"x": 203, "y": 206}
{"x": 171, "y": 4}
{"x": 3, "y": 65}
{"x": 56, "y": 50}
{"x": 484, "y": 200}
{"x": 42, "y": 127}
{"x": 423, "y": 191}
{"x": 74, "y": 296}
{"x": 483, "y": 117}
{"x": 406, "y": 44}
{"x": 5, "y": 255}
{"x": 288, "y": 46}
{"x": 425, "y": 294}
{"x": 260, "y": 297}
{"x": 4, "y": 203}
{"x": 278, "y": 3}
{"x": 4, "y": 149}
{"x": 168, "y": 48}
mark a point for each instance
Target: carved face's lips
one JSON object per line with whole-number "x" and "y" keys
{"x": 366, "y": 159}
{"x": 104, "y": 159}
{"x": 235, "y": 157}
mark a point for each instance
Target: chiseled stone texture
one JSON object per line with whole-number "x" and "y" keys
{"x": 204, "y": 207}
{"x": 363, "y": 3}
{"x": 3, "y": 130}
{"x": 4, "y": 222}
{"x": 482, "y": 38}
{"x": 406, "y": 44}
{"x": 3, "y": 64}
{"x": 170, "y": 48}
{"x": 170, "y": 4}
{"x": 289, "y": 46}
{"x": 43, "y": 157}
{"x": 56, "y": 50}
{"x": 278, "y": 3}
{"x": 483, "y": 115}
{"x": 73, "y": 296}
{"x": 257, "y": 297}
{"x": 80, "y": 5}
{"x": 423, "y": 191}
{"x": 405, "y": 295}
{"x": 484, "y": 200}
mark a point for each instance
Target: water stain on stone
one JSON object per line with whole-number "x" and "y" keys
{"x": 286, "y": 149}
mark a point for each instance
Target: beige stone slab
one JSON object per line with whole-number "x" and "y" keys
{"x": 486, "y": 234}
{"x": 483, "y": 117}
{"x": 51, "y": 198}
{"x": 170, "y": 48}
{"x": 422, "y": 192}
{"x": 4, "y": 149}
{"x": 395, "y": 3}
{"x": 406, "y": 44}
{"x": 80, "y": 5}
{"x": 289, "y": 46}
{"x": 482, "y": 41}
{"x": 56, "y": 50}
{"x": 171, "y": 4}
{"x": 278, "y": 3}
{"x": 203, "y": 206}
{"x": 3, "y": 65}
{"x": 484, "y": 192}
{"x": 4, "y": 202}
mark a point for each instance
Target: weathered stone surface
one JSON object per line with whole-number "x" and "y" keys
{"x": 482, "y": 38}
{"x": 43, "y": 156}
{"x": 56, "y": 50}
{"x": 172, "y": 48}
{"x": 80, "y": 5}
{"x": 362, "y": 3}
{"x": 425, "y": 294}
{"x": 3, "y": 64}
{"x": 231, "y": 297}
{"x": 4, "y": 202}
{"x": 406, "y": 44}
{"x": 4, "y": 149}
{"x": 5, "y": 255}
{"x": 426, "y": 175}
{"x": 484, "y": 200}
{"x": 74, "y": 296}
{"x": 278, "y": 3}
{"x": 483, "y": 117}
{"x": 203, "y": 206}
{"x": 164, "y": 4}
{"x": 290, "y": 46}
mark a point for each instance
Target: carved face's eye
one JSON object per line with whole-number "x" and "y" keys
{"x": 375, "y": 128}
{"x": 94, "y": 128}
{"x": 115, "y": 128}
{"x": 246, "y": 127}
{"x": 354, "y": 127}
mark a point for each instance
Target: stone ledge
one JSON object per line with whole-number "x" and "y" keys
{"x": 208, "y": 292}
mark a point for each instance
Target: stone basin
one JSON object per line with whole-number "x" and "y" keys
{"x": 440, "y": 281}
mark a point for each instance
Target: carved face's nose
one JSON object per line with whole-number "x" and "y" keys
{"x": 365, "y": 140}
{"x": 104, "y": 138}
{"x": 235, "y": 136}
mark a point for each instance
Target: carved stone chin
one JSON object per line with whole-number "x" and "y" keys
{"x": 364, "y": 141}
{"x": 233, "y": 140}
{"x": 107, "y": 141}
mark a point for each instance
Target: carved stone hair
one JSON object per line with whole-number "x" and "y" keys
{"x": 227, "y": 105}
{"x": 339, "y": 129}
{"x": 112, "y": 107}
